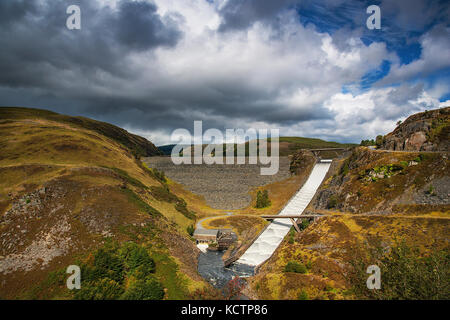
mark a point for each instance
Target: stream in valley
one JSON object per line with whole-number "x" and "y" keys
{"x": 212, "y": 269}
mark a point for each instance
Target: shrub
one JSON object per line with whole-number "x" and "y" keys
{"x": 181, "y": 207}
{"x": 149, "y": 289}
{"x": 430, "y": 190}
{"x": 332, "y": 202}
{"x": 303, "y": 295}
{"x": 137, "y": 260}
{"x": 379, "y": 141}
{"x": 406, "y": 274}
{"x": 107, "y": 266}
{"x": 345, "y": 167}
{"x": 294, "y": 266}
{"x": 291, "y": 236}
{"x": 190, "y": 230}
{"x": 304, "y": 224}
{"x": 103, "y": 289}
{"x": 160, "y": 175}
{"x": 262, "y": 199}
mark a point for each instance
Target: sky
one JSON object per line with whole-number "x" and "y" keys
{"x": 306, "y": 67}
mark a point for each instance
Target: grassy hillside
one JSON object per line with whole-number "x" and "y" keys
{"x": 71, "y": 194}
{"x": 324, "y": 261}
{"x": 137, "y": 145}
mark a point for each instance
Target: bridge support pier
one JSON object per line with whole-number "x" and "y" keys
{"x": 295, "y": 224}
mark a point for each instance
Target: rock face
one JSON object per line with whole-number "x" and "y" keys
{"x": 425, "y": 131}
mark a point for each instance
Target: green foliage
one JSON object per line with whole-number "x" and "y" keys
{"x": 136, "y": 260}
{"x": 366, "y": 143}
{"x": 262, "y": 199}
{"x": 303, "y": 295}
{"x": 103, "y": 289}
{"x": 107, "y": 265}
{"x": 332, "y": 202}
{"x": 430, "y": 191}
{"x": 304, "y": 224}
{"x": 292, "y": 236}
{"x": 149, "y": 289}
{"x": 105, "y": 277}
{"x": 181, "y": 206}
{"x": 125, "y": 176}
{"x": 190, "y": 230}
{"x": 160, "y": 175}
{"x": 142, "y": 204}
{"x": 379, "y": 141}
{"x": 406, "y": 274}
{"x": 294, "y": 266}
{"x": 344, "y": 169}
{"x": 164, "y": 194}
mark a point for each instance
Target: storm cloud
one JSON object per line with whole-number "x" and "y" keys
{"x": 154, "y": 66}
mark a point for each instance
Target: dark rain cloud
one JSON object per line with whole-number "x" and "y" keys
{"x": 37, "y": 45}
{"x": 241, "y": 14}
{"x": 42, "y": 64}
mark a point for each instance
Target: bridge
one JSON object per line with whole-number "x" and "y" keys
{"x": 317, "y": 151}
{"x": 293, "y": 217}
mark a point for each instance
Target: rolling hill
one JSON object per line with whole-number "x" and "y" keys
{"x": 72, "y": 192}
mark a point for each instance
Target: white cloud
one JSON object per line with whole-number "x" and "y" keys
{"x": 300, "y": 71}
{"x": 435, "y": 56}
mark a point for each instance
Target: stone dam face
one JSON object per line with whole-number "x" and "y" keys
{"x": 224, "y": 186}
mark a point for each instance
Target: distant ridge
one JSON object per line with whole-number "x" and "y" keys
{"x": 288, "y": 145}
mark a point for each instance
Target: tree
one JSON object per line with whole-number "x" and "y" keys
{"x": 190, "y": 230}
{"x": 262, "y": 199}
{"x": 379, "y": 141}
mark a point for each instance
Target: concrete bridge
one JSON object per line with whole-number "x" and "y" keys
{"x": 317, "y": 151}
{"x": 294, "y": 218}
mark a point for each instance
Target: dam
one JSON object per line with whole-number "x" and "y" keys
{"x": 265, "y": 245}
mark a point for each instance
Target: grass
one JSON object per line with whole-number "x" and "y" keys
{"x": 104, "y": 187}
{"x": 238, "y": 223}
{"x": 137, "y": 145}
{"x": 330, "y": 243}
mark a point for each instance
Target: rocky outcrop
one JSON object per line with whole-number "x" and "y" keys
{"x": 386, "y": 182}
{"x": 425, "y": 131}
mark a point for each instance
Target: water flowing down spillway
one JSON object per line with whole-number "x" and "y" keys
{"x": 270, "y": 239}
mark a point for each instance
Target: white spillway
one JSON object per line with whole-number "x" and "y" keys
{"x": 269, "y": 240}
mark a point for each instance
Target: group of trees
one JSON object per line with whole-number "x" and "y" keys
{"x": 371, "y": 142}
{"x": 120, "y": 272}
